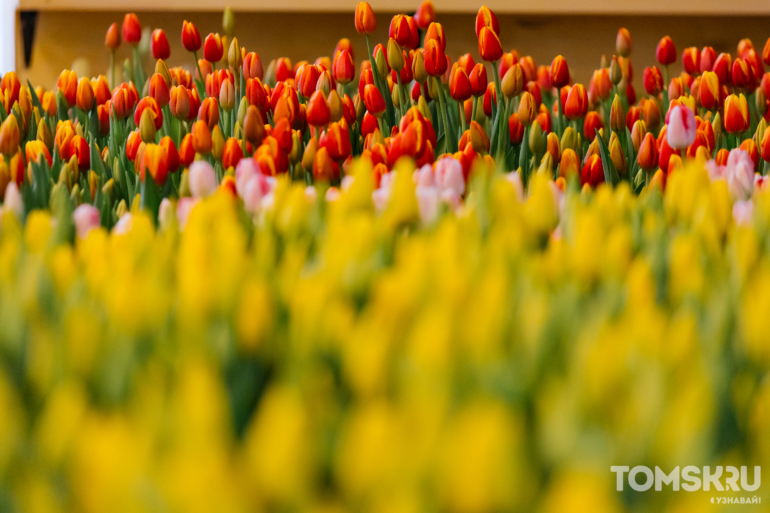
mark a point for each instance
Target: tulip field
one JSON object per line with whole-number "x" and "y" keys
{"x": 402, "y": 281}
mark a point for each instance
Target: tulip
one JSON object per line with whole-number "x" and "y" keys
{"x": 723, "y": 68}
{"x": 191, "y": 38}
{"x": 85, "y": 95}
{"x": 252, "y": 66}
{"x": 736, "y": 114}
{"x": 623, "y": 43}
{"x": 234, "y": 55}
{"x": 179, "y": 102}
{"x": 691, "y": 60}
{"x": 765, "y": 146}
{"x": 213, "y": 50}
{"x": 133, "y": 142}
{"x": 593, "y": 172}
{"x": 653, "y": 81}
{"x": 515, "y": 129}
{"x": 202, "y": 179}
{"x": 132, "y": 30}
{"x": 399, "y": 30}
{"x": 337, "y": 141}
{"x": 486, "y": 18}
{"x": 553, "y": 146}
{"x": 513, "y": 82}
{"x": 681, "y": 127}
{"x": 366, "y": 23}
{"x": 576, "y": 105}
{"x": 478, "y": 79}
{"x": 35, "y": 150}
{"x": 201, "y": 138}
{"x": 601, "y": 83}
{"x": 344, "y": 67}
{"x": 159, "y": 91}
{"x": 435, "y": 59}
{"x": 173, "y": 159}
{"x": 324, "y": 168}
{"x": 569, "y": 163}
{"x": 593, "y": 122}
{"x": 186, "y": 151}
{"x": 490, "y": 48}
{"x": 154, "y": 161}
{"x": 86, "y": 218}
{"x": 617, "y": 156}
{"x": 638, "y": 132}
{"x": 559, "y": 72}
{"x": 648, "y": 154}
{"x": 232, "y": 153}
{"x": 209, "y": 113}
{"x": 217, "y": 143}
{"x": 146, "y": 125}
{"x": 373, "y": 100}
{"x": 460, "y": 85}
{"x": 10, "y": 137}
{"x": 478, "y": 138}
{"x": 526, "y": 113}
{"x": 425, "y": 15}
{"x": 617, "y": 116}
{"x": 112, "y": 39}
{"x": 159, "y": 44}
{"x": 709, "y": 90}
{"x": 80, "y": 149}
{"x": 67, "y": 85}
{"x": 665, "y": 52}
{"x": 318, "y": 113}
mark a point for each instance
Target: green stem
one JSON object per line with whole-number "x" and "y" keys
{"x": 475, "y": 106}
{"x": 560, "y": 120}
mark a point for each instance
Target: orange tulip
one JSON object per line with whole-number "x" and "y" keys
{"x": 160, "y": 48}
{"x": 691, "y": 60}
{"x": 307, "y": 79}
{"x": 68, "y": 85}
{"x": 149, "y": 103}
{"x": 103, "y": 112}
{"x": 723, "y": 68}
{"x": 399, "y": 30}
{"x": 212, "y": 48}
{"x": 36, "y": 149}
{"x": 373, "y": 100}
{"x": 593, "y": 172}
{"x": 112, "y": 39}
{"x": 159, "y": 90}
{"x": 526, "y": 112}
{"x": 101, "y": 90}
{"x": 324, "y": 168}
{"x": 209, "y": 112}
{"x": 186, "y": 151}
{"x": 765, "y": 143}
{"x": 576, "y": 105}
{"x": 344, "y": 67}
{"x": 478, "y": 79}
{"x": 84, "y": 95}
{"x": 179, "y": 102}
{"x": 132, "y": 30}
{"x": 232, "y": 154}
{"x": 191, "y": 38}
{"x": 366, "y": 23}
{"x": 623, "y": 42}
{"x": 648, "y": 153}
{"x": 489, "y": 45}
{"x": 255, "y": 93}
{"x": 252, "y": 66}
{"x": 736, "y": 114}
{"x": 592, "y": 124}
{"x": 10, "y": 136}
{"x": 201, "y": 138}
{"x": 425, "y": 15}
{"x": 133, "y": 142}
{"x": 155, "y": 161}
{"x": 436, "y": 32}
{"x": 435, "y": 59}
{"x": 709, "y": 90}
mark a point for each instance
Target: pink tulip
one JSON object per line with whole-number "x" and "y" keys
{"x": 86, "y": 218}
{"x": 203, "y": 180}
{"x": 681, "y": 127}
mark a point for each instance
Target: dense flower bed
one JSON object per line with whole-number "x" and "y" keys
{"x": 234, "y": 293}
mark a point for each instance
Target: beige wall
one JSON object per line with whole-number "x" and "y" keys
{"x": 63, "y": 36}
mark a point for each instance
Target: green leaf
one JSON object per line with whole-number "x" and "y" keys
{"x": 150, "y": 196}
{"x": 35, "y": 99}
{"x": 610, "y": 173}
{"x": 96, "y": 161}
{"x": 441, "y": 145}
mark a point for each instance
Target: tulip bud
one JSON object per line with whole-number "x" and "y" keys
{"x": 526, "y": 112}
{"x": 234, "y": 56}
{"x": 759, "y": 134}
{"x": 546, "y": 165}
{"x": 736, "y": 114}
{"x": 395, "y": 96}
{"x": 617, "y": 116}
{"x": 623, "y": 43}
{"x": 617, "y": 156}
{"x": 638, "y": 132}
{"x": 147, "y": 126}
{"x": 395, "y": 56}
{"x": 478, "y": 138}
{"x": 112, "y": 39}
{"x": 366, "y": 23}
{"x": 10, "y": 137}
{"x": 576, "y": 105}
{"x": 490, "y": 48}
{"x": 253, "y": 126}
{"x": 552, "y": 146}
{"x": 513, "y": 81}
{"x": 537, "y": 140}
{"x": 132, "y": 30}
{"x": 648, "y": 153}
{"x": 569, "y": 140}
{"x": 227, "y": 96}
{"x": 217, "y": 143}
{"x": 201, "y": 138}
{"x": 569, "y": 164}
{"x": 308, "y": 156}
{"x": 228, "y": 21}
{"x": 44, "y": 134}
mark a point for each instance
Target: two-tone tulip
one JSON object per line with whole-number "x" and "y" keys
{"x": 112, "y": 38}
{"x": 617, "y": 116}
{"x": 559, "y": 72}
{"x": 653, "y": 80}
{"x": 374, "y": 101}
{"x": 84, "y": 97}
{"x": 460, "y": 85}
{"x": 209, "y": 112}
{"x": 486, "y": 18}
{"x": 592, "y": 124}
{"x": 736, "y": 114}
{"x": 647, "y": 157}
{"x": 681, "y": 127}
{"x": 179, "y": 102}
{"x": 10, "y": 136}
{"x": 478, "y": 79}
{"x": 344, "y": 68}
{"x": 513, "y": 82}
{"x": 68, "y": 85}
{"x": 527, "y": 112}
{"x": 435, "y": 59}
{"x": 213, "y": 49}
{"x": 366, "y": 23}
{"x": 191, "y": 38}
{"x": 623, "y": 42}
{"x": 490, "y": 48}
{"x": 155, "y": 163}
{"x": 252, "y": 66}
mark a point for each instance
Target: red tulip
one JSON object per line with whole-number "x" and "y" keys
{"x": 132, "y": 30}
{"x": 160, "y": 48}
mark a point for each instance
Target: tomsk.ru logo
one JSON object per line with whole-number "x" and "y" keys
{"x": 690, "y": 479}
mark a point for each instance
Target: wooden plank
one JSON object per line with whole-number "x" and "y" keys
{"x": 649, "y": 7}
